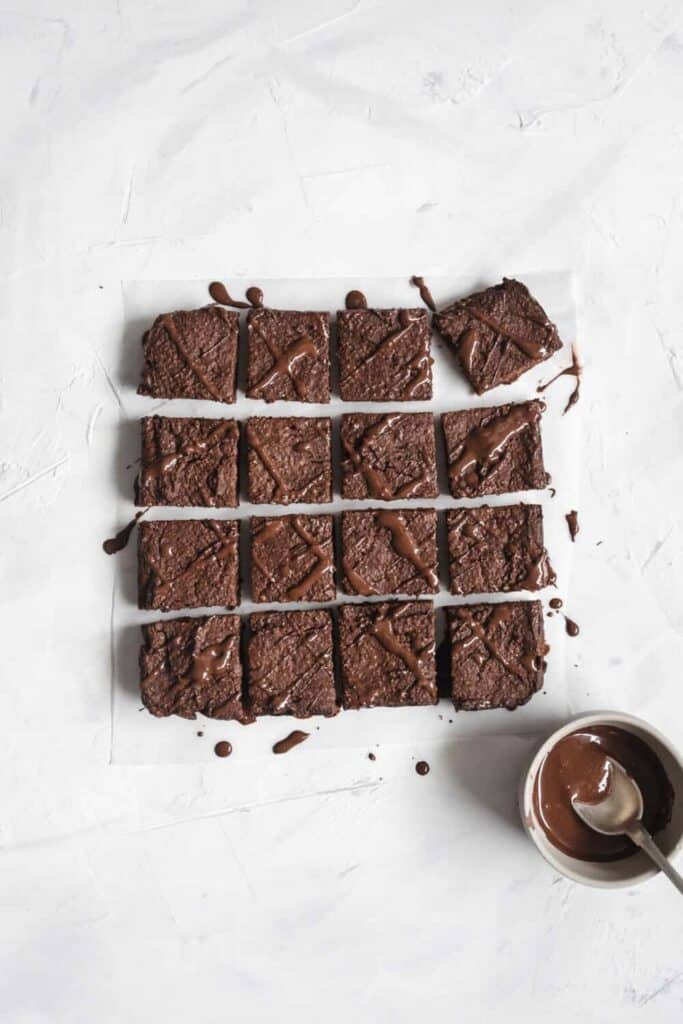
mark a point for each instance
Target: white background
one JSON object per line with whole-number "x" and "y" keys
{"x": 210, "y": 139}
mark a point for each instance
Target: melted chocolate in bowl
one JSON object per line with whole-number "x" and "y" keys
{"x": 576, "y": 766}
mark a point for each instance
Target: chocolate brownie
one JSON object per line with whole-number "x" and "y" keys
{"x": 497, "y": 653}
{"x": 292, "y": 558}
{"x": 384, "y": 355}
{"x": 389, "y": 551}
{"x": 188, "y": 462}
{"x": 289, "y": 355}
{"x": 388, "y": 456}
{"x": 188, "y": 563}
{"x": 192, "y": 666}
{"x": 290, "y": 664}
{"x": 191, "y": 354}
{"x": 290, "y": 460}
{"x": 498, "y": 334}
{"x": 494, "y": 451}
{"x": 387, "y": 654}
{"x": 497, "y": 549}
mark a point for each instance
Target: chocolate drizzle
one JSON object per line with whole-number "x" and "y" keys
{"x": 159, "y": 467}
{"x": 485, "y": 445}
{"x": 571, "y": 627}
{"x": 421, "y": 361}
{"x": 404, "y": 543}
{"x": 422, "y": 768}
{"x": 574, "y": 370}
{"x": 355, "y": 300}
{"x": 223, "y": 550}
{"x": 531, "y": 348}
{"x": 119, "y": 542}
{"x": 322, "y": 566}
{"x": 382, "y": 629}
{"x": 293, "y": 740}
{"x": 425, "y": 294}
{"x": 169, "y": 326}
{"x": 573, "y": 523}
{"x": 500, "y": 615}
{"x": 556, "y": 602}
{"x": 375, "y": 481}
{"x": 284, "y": 365}
{"x": 540, "y": 573}
{"x": 220, "y": 294}
{"x": 223, "y": 748}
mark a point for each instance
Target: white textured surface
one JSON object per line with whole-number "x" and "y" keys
{"x": 208, "y": 139}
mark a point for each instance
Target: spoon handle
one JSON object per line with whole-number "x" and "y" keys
{"x": 642, "y": 838}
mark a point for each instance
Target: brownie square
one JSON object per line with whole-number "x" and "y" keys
{"x": 290, "y": 460}
{"x": 497, "y": 653}
{"x": 390, "y": 551}
{"x": 497, "y": 549}
{"x": 289, "y": 355}
{"x": 188, "y": 563}
{"x": 384, "y": 355}
{"x": 292, "y": 558}
{"x": 192, "y": 666}
{"x": 188, "y": 462}
{"x": 498, "y": 334}
{"x": 494, "y": 451}
{"x": 387, "y": 654}
{"x": 290, "y": 664}
{"x": 388, "y": 456}
{"x": 191, "y": 354}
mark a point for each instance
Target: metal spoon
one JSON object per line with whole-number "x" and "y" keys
{"x": 619, "y": 812}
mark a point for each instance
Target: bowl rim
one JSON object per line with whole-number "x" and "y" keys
{"x": 528, "y": 779}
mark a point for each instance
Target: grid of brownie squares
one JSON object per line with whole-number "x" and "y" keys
{"x": 497, "y": 549}
{"x": 292, "y": 558}
{"x": 387, "y": 654}
{"x": 191, "y": 354}
{"x": 289, "y": 460}
{"x": 188, "y": 462}
{"x": 494, "y": 450}
{"x": 389, "y": 551}
{"x": 388, "y": 455}
{"x": 289, "y": 356}
{"x": 384, "y": 355}
{"x": 498, "y": 334}
{"x": 188, "y": 564}
{"x": 386, "y": 650}
{"x": 291, "y": 669}
{"x": 497, "y": 654}
{"x": 193, "y": 666}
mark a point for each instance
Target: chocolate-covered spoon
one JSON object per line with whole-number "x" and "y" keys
{"x": 619, "y": 812}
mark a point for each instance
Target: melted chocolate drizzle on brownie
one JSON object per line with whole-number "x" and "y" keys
{"x": 573, "y": 523}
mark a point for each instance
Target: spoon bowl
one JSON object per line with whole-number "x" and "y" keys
{"x": 621, "y": 806}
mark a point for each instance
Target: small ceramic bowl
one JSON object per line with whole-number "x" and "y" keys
{"x": 617, "y": 873}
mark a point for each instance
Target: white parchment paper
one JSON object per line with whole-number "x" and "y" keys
{"x": 139, "y": 738}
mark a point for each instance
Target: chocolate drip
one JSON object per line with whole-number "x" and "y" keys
{"x": 293, "y": 740}
{"x": 486, "y": 444}
{"x": 254, "y": 296}
{"x": 571, "y": 627}
{"x": 119, "y": 542}
{"x": 220, "y": 294}
{"x": 372, "y": 757}
{"x": 425, "y": 294}
{"x": 404, "y": 543}
{"x": 574, "y": 370}
{"x": 222, "y": 749}
{"x": 573, "y": 523}
{"x": 360, "y": 585}
{"x": 556, "y": 603}
{"x": 422, "y": 768}
{"x": 356, "y": 300}
{"x": 284, "y": 364}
